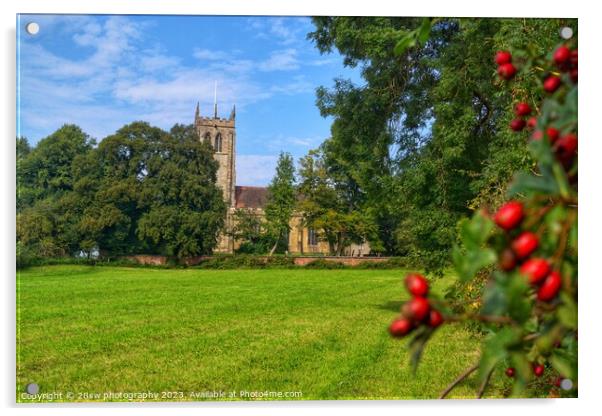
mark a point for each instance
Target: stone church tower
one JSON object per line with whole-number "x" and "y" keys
{"x": 221, "y": 134}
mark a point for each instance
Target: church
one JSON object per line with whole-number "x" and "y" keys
{"x": 221, "y": 134}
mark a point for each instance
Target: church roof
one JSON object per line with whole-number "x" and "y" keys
{"x": 250, "y": 196}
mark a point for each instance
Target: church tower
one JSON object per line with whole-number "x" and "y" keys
{"x": 221, "y": 134}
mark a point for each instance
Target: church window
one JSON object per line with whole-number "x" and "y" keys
{"x": 218, "y": 143}
{"x": 312, "y": 237}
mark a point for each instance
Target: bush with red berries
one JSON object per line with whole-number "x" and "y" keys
{"x": 527, "y": 248}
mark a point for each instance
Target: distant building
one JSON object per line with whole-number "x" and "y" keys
{"x": 221, "y": 134}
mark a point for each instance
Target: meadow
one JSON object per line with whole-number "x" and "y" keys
{"x": 183, "y": 333}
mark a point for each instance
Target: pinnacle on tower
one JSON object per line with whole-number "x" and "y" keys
{"x": 215, "y": 101}
{"x": 197, "y": 113}
{"x": 233, "y": 113}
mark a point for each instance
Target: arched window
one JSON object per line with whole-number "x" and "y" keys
{"x": 312, "y": 237}
{"x": 218, "y": 143}
{"x": 207, "y": 137}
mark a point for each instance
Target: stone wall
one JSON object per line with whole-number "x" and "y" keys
{"x": 348, "y": 261}
{"x": 148, "y": 259}
{"x": 156, "y": 260}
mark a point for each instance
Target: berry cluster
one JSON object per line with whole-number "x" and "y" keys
{"x": 505, "y": 68}
{"x": 536, "y": 269}
{"x": 565, "y": 61}
{"x": 522, "y": 110}
{"x": 538, "y": 370}
{"x": 416, "y": 311}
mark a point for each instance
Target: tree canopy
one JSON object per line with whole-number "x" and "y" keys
{"x": 141, "y": 190}
{"x": 423, "y": 139}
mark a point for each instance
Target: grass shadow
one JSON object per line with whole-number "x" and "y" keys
{"x": 392, "y": 305}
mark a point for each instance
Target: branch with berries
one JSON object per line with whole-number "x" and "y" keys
{"x": 528, "y": 248}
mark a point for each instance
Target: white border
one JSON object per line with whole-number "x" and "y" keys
{"x": 591, "y": 287}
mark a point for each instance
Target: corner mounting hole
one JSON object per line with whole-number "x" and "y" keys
{"x": 566, "y": 32}
{"x": 32, "y": 28}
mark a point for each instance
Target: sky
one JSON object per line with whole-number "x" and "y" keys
{"x": 102, "y": 72}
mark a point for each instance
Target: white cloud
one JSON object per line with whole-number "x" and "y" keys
{"x": 207, "y": 54}
{"x": 255, "y": 170}
{"x": 288, "y": 143}
{"x": 156, "y": 61}
{"x": 282, "y": 60}
{"x": 118, "y": 77}
{"x": 298, "y": 85}
{"x": 285, "y": 30}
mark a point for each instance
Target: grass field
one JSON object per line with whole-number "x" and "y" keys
{"x": 85, "y": 329}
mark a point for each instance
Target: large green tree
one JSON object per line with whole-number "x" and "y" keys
{"x": 281, "y": 201}
{"x": 422, "y": 137}
{"x": 45, "y": 170}
{"x": 184, "y": 208}
{"x": 142, "y": 190}
{"x": 45, "y": 186}
{"x": 328, "y": 207}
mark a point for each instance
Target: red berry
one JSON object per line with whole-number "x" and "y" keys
{"x": 522, "y": 109}
{"x": 574, "y": 75}
{"x": 400, "y": 327}
{"x": 561, "y": 55}
{"x": 507, "y": 260}
{"x": 517, "y": 124}
{"x": 417, "y": 309}
{"x": 506, "y": 71}
{"x": 509, "y": 215}
{"x": 566, "y": 147}
{"x": 552, "y": 134}
{"x": 416, "y": 284}
{"x": 435, "y": 318}
{"x": 536, "y": 269}
{"x": 538, "y": 370}
{"x": 525, "y": 244}
{"x": 510, "y": 372}
{"x": 503, "y": 57}
{"x": 551, "y": 83}
{"x": 537, "y": 135}
{"x": 532, "y": 122}
{"x": 558, "y": 381}
{"x": 550, "y": 287}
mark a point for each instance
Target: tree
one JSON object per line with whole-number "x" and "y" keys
{"x": 281, "y": 201}
{"x": 250, "y": 230}
{"x": 143, "y": 190}
{"x": 423, "y": 138}
{"x": 184, "y": 208}
{"x": 327, "y": 207}
{"x": 45, "y": 171}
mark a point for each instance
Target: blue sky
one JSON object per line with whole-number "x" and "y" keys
{"x": 101, "y": 72}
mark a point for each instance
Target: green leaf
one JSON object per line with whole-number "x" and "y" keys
{"x": 528, "y": 183}
{"x": 523, "y": 371}
{"x": 567, "y": 313}
{"x": 469, "y": 263}
{"x": 407, "y": 42}
{"x": 472, "y": 257}
{"x": 496, "y": 348}
{"x": 417, "y": 345}
{"x": 475, "y": 232}
{"x": 561, "y": 180}
{"x": 424, "y": 31}
{"x": 563, "y": 365}
{"x": 507, "y": 296}
{"x": 519, "y": 305}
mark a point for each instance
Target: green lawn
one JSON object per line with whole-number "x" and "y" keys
{"x": 320, "y": 332}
